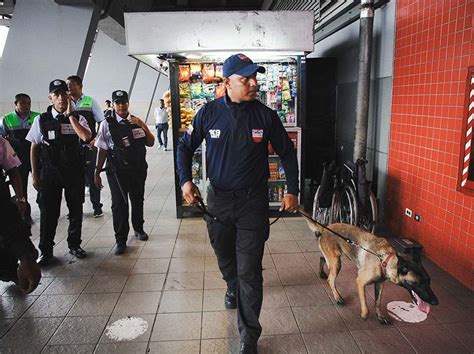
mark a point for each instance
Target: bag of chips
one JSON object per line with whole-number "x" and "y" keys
{"x": 184, "y": 73}
{"x": 196, "y": 90}
{"x": 219, "y": 71}
{"x": 208, "y": 73}
{"x": 196, "y": 71}
{"x": 209, "y": 91}
{"x": 185, "y": 90}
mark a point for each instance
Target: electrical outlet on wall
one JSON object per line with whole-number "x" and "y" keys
{"x": 417, "y": 217}
{"x": 408, "y": 212}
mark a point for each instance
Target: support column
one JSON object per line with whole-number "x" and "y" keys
{"x": 363, "y": 83}
{"x": 45, "y": 41}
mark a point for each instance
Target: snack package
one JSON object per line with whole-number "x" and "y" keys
{"x": 196, "y": 71}
{"x": 184, "y": 73}
{"x": 219, "y": 72}
{"x": 186, "y": 103}
{"x": 185, "y": 90}
{"x": 208, "y": 72}
{"x": 196, "y": 90}
{"x": 209, "y": 91}
{"x": 286, "y": 95}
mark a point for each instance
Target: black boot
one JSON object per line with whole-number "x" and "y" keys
{"x": 230, "y": 301}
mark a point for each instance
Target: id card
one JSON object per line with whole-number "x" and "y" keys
{"x": 51, "y": 135}
{"x": 67, "y": 129}
{"x": 138, "y": 133}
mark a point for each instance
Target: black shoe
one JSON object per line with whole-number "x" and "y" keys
{"x": 98, "y": 213}
{"x": 78, "y": 252}
{"x": 45, "y": 259}
{"x": 142, "y": 236}
{"x": 230, "y": 302}
{"x": 248, "y": 348}
{"x": 120, "y": 249}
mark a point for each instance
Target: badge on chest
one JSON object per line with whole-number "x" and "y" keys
{"x": 67, "y": 129}
{"x": 138, "y": 133}
{"x": 257, "y": 135}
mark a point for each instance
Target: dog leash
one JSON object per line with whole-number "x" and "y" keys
{"x": 348, "y": 240}
{"x": 201, "y": 206}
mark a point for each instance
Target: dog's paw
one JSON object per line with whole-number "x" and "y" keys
{"x": 340, "y": 301}
{"x": 323, "y": 275}
{"x": 384, "y": 320}
{"x": 364, "y": 315}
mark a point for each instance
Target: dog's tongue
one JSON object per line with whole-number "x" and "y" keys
{"x": 422, "y": 306}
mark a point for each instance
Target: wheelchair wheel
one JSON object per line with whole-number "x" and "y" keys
{"x": 368, "y": 219}
{"x": 320, "y": 214}
{"x": 344, "y": 207}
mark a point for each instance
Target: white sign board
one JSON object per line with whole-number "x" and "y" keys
{"x": 212, "y": 31}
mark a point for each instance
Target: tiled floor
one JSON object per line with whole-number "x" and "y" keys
{"x": 173, "y": 283}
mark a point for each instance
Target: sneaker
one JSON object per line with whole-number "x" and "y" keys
{"x": 45, "y": 259}
{"x": 160, "y": 147}
{"x": 165, "y": 149}
{"x": 230, "y": 301}
{"x": 142, "y": 236}
{"x": 98, "y": 213}
{"x": 78, "y": 252}
{"x": 120, "y": 249}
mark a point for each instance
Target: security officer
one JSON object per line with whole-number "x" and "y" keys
{"x": 89, "y": 108}
{"x": 121, "y": 139}
{"x": 57, "y": 164}
{"x": 15, "y": 244}
{"x": 237, "y": 129}
{"x": 14, "y": 126}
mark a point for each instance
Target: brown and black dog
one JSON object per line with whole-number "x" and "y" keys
{"x": 371, "y": 269}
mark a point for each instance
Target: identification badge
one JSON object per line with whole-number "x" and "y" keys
{"x": 257, "y": 135}
{"x": 51, "y": 135}
{"x": 125, "y": 141}
{"x": 67, "y": 129}
{"x": 138, "y": 133}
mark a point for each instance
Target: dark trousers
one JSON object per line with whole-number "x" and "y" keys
{"x": 94, "y": 192}
{"x": 49, "y": 201}
{"x": 24, "y": 172}
{"x": 238, "y": 239}
{"x": 133, "y": 188}
{"x": 162, "y": 128}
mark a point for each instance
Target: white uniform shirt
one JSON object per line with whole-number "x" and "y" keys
{"x": 35, "y": 136}
{"x": 103, "y": 140}
{"x": 161, "y": 115}
{"x": 8, "y": 157}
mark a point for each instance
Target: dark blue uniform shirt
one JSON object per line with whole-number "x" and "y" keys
{"x": 237, "y": 137}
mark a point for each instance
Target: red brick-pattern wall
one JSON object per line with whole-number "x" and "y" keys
{"x": 433, "y": 50}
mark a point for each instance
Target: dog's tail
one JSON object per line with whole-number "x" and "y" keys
{"x": 314, "y": 227}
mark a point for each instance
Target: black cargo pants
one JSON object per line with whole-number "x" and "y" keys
{"x": 133, "y": 187}
{"x": 49, "y": 201}
{"x": 238, "y": 239}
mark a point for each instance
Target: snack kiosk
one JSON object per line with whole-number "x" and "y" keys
{"x": 194, "y": 51}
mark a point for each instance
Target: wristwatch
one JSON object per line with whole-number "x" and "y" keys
{"x": 20, "y": 199}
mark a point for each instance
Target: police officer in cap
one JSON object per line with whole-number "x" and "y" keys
{"x": 122, "y": 139}
{"x": 57, "y": 164}
{"x": 237, "y": 129}
{"x": 15, "y": 243}
{"x": 14, "y": 126}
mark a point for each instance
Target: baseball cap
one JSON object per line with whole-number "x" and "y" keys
{"x": 119, "y": 95}
{"x": 57, "y": 85}
{"x": 242, "y": 65}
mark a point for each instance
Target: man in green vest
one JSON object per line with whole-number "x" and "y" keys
{"x": 14, "y": 126}
{"x": 90, "y": 109}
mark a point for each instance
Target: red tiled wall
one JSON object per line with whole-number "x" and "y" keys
{"x": 433, "y": 49}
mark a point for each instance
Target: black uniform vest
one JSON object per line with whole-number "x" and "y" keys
{"x": 128, "y": 153}
{"x": 61, "y": 144}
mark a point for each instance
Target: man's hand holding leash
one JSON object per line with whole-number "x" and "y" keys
{"x": 289, "y": 203}
{"x": 190, "y": 192}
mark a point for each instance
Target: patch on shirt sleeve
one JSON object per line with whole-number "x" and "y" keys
{"x": 257, "y": 135}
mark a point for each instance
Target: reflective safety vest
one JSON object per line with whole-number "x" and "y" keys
{"x": 61, "y": 145}
{"x": 16, "y": 130}
{"x": 85, "y": 109}
{"x": 128, "y": 153}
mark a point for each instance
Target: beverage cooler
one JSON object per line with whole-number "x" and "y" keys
{"x": 275, "y": 40}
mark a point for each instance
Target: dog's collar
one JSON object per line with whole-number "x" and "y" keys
{"x": 384, "y": 262}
